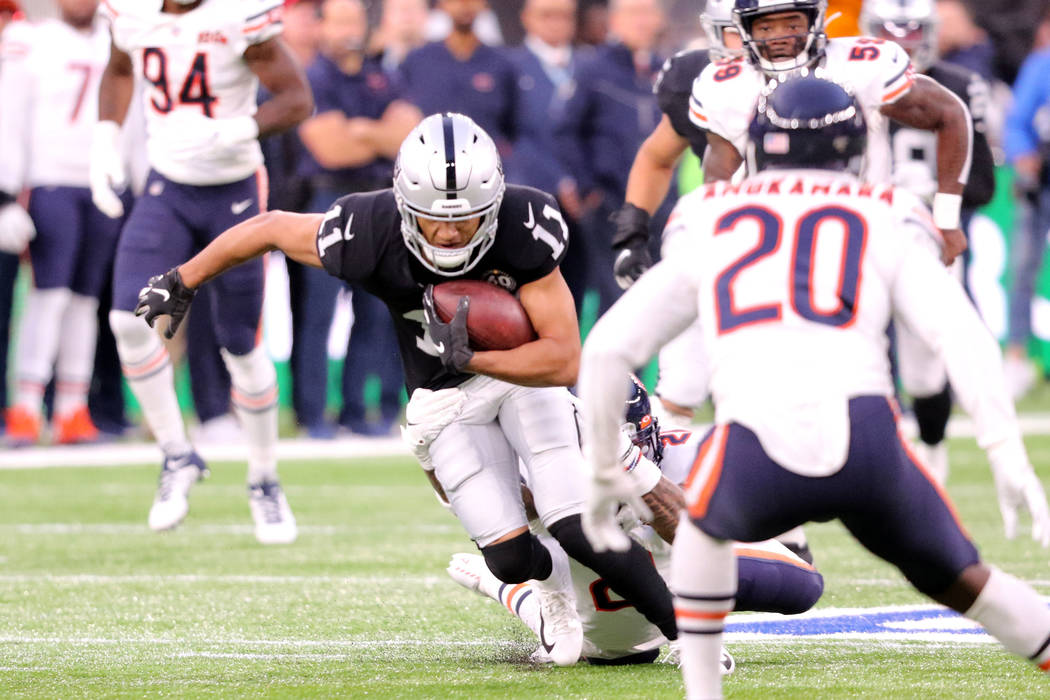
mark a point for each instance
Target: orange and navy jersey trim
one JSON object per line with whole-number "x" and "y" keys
{"x": 706, "y": 471}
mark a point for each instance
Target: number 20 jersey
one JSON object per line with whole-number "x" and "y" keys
{"x": 360, "y": 241}
{"x": 878, "y": 73}
{"x": 191, "y": 66}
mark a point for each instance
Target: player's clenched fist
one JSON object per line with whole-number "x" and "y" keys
{"x": 165, "y": 295}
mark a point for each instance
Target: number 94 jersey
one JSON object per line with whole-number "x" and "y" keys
{"x": 878, "y": 73}
{"x": 191, "y": 67}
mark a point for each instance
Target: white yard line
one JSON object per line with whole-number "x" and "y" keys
{"x": 292, "y": 643}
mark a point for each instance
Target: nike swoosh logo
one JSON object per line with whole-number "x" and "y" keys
{"x": 162, "y": 293}
{"x": 543, "y": 639}
{"x": 440, "y": 347}
{"x": 240, "y": 207}
{"x": 532, "y": 218}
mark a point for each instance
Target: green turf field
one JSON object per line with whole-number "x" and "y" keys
{"x": 92, "y": 604}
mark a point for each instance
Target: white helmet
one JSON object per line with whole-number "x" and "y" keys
{"x": 811, "y": 46}
{"x": 910, "y": 23}
{"x": 448, "y": 168}
{"x": 716, "y": 18}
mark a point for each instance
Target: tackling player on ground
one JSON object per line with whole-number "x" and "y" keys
{"x": 199, "y": 65}
{"x": 794, "y": 276}
{"x": 474, "y": 413}
{"x": 771, "y": 578}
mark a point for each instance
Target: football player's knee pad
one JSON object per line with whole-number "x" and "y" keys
{"x": 135, "y": 339}
{"x": 253, "y": 372}
{"x": 518, "y": 559}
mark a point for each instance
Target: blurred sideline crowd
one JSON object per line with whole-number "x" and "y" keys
{"x": 565, "y": 87}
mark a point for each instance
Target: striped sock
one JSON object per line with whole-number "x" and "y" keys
{"x": 703, "y": 578}
{"x": 519, "y": 600}
{"x": 253, "y": 382}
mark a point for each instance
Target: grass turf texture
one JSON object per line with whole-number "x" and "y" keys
{"x": 93, "y": 604}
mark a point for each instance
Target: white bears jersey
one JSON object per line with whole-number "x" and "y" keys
{"x": 878, "y": 73}
{"x": 48, "y": 102}
{"x": 191, "y": 66}
{"x": 794, "y": 276}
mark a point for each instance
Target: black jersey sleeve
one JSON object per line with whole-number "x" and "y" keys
{"x": 973, "y": 90}
{"x": 351, "y": 238}
{"x": 673, "y": 86}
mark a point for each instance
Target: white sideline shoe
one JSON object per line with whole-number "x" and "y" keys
{"x": 171, "y": 503}
{"x": 726, "y": 664}
{"x": 471, "y": 572}
{"x": 274, "y": 522}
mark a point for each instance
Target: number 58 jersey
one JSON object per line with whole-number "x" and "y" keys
{"x": 192, "y": 69}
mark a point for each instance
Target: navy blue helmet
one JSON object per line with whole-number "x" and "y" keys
{"x": 641, "y": 425}
{"x": 807, "y": 122}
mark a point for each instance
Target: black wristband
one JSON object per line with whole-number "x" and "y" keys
{"x": 632, "y": 223}
{"x": 6, "y": 198}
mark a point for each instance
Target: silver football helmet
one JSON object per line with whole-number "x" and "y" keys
{"x": 810, "y": 45}
{"x": 448, "y": 168}
{"x": 910, "y": 23}
{"x": 715, "y": 20}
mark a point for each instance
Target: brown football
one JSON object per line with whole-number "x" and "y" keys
{"x": 496, "y": 320}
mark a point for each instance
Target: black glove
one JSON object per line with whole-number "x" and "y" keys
{"x": 450, "y": 339}
{"x": 631, "y": 244}
{"x": 165, "y": 295}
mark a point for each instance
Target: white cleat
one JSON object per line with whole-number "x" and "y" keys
{"x": 561, "y": 633}
{"x": 274, "y": 522}
{"x": 935, "y": 459}
{"x": 171, "y": 503}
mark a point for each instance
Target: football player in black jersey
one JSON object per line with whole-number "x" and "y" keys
{"x": 650, "y": 179}
{"x": 472, "y": 415}
{"x": 654, "y": 165}
{"x": 913, "y": 25}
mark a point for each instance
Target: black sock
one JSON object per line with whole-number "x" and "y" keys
{"x": 932, "y": 414}
{"x": 630, "y": 574}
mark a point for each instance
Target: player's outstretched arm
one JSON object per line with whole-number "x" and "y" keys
{"x": 666, "y": 502}
{"x": 553, "y": 359}
{"x": 721, "y": 159}
{"x": 116, "y": 87}
{"x": 291, "y": 101}
{"x": 929, "y": 105}
{"x": 293, "y": 234}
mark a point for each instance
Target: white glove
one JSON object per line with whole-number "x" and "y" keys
{"x": 427, "y": 414}
{"x": 600, "y": 524}
{"x": 1019, "y": 489}
{"x": 16, "y": 228}
{"x": 106, "y": 172}
{"x": 189, "y": 134}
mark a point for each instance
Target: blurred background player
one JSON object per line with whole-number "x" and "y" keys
{"x": 9, "y": 12}
{"x": 462, "y": 74}
{"x": 351, "y": 141}
{"x": 609, "y": 115}
{"x": 202, "y": 125}
{"x": 912, "y": 24}
{"x": 810, "y": 431}
{"x": 49, "y": 94}
{"x": 771, "y": 577}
